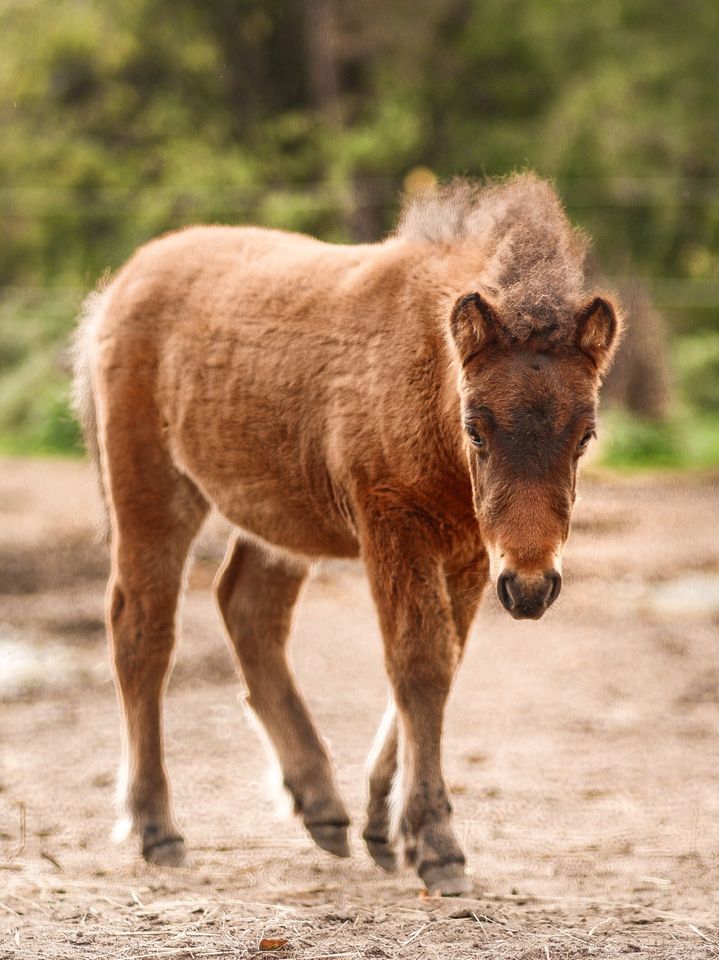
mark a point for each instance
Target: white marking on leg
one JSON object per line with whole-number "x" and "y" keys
{"x": 381, "y": 737}
{"x": 124, "y": 824}
{"x": 273, "y": 778}
{"x": 396, "y": 799}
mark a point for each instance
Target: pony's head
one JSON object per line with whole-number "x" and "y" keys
{"x": 528, "y": 411}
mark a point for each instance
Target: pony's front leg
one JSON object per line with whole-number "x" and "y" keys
{"x": 422, "y": 650}
{"x": 464, "y": 587}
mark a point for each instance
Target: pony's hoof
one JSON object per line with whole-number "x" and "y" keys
{"x": 331, "y": 837}
{"x": 168, "y": 852}
{"x": 382, "y": 854}
{"x": 444, "y": 879}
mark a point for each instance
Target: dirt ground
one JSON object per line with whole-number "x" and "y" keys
{"x": 582, "y": 753}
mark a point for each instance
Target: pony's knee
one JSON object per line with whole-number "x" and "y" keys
{"x": 116, "y": 604}
{"x": 223, "y": 589}
{"x": 228, "y": 579}
{"x": 258, "y": 589}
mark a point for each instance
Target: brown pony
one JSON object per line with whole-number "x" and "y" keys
{"x": 421, "y": 402}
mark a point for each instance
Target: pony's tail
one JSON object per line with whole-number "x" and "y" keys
{"x": 82, "y": 353}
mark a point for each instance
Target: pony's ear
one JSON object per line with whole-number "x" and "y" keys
{"x": 473, "y": 325}
{"x": 598, "y": 328}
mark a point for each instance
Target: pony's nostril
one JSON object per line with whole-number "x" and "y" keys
{"x": 503, "y": 590}
{"x": 528, "y": 597}
{"x": 554, "y": 585}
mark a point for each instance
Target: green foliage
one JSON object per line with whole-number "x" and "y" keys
{"x": 685, "y": 441}
{"x": 124, "y": 118}
{"x": 631, "y": 442}
{"x": 35, "y": 414}
{"x": 689, "y": 438}
{"x": 697, "y": 360}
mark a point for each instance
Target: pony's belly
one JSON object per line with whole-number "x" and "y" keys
{"x": 270, "y": 510}
{"x": 288, "y": 530}
{"x": 269, "y": 480}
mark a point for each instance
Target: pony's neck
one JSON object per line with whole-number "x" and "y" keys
{"x": 448, "y": 275}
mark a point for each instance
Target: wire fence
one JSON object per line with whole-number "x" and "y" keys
{"x": 234, "y": 204}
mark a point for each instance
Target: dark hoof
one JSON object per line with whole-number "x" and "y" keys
{"x": 168, "y": 852}
{"x": 444, "y": 879}
{"x": 382, "y": 854}
{"x": 331, "y": 837}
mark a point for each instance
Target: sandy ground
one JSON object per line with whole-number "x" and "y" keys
{"x": 582, "y": 752}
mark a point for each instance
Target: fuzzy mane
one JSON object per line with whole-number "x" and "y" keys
{"x": 534, "y": 257}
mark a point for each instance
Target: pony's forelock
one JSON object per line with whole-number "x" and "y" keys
{"x": 533, "y": 257}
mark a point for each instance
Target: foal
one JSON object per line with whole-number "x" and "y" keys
{"x": 421, "y": 402}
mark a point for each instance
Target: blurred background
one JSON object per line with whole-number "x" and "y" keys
{"x": 125, "y": 118}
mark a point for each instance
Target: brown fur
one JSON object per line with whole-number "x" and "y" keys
{"x": 320, "y": 397}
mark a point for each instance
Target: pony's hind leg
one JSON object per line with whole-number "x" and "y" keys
{"x": 382, "y": 766}
{"x": 155, "y": 520}
{"x": 256, "y": 592}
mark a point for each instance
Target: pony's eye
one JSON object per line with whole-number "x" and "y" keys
{"x": 584, "y": 442}
{"x": 474, "y": 435}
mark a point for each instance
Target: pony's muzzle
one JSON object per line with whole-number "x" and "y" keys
{"x": 528, "y": 597}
